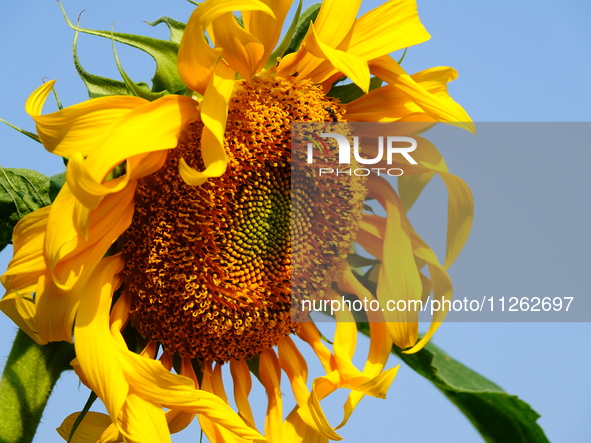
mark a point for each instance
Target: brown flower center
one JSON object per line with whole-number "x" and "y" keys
{"x": 209, "y": 267}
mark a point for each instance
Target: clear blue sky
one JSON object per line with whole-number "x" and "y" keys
{"x": 518, "y": 61}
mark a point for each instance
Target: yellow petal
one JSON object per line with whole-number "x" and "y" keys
{"x": 399, "y": 278}
{"x": 22, "y": 311}
{"x": 79, "y": 128}
{"x": 242, "y": 386}
{"x": 90, "y": 430}
{"x": 68, "y": 253}
{"x": 243, "y": 52}
{"x": 270, "y": 376}
{"x": 333, "y": 26}
{"x": 349, "y": 64}
{"x": 155, "y": 384}
{"x": 384, "y": 104}
{"x": 295, "y": 430}
{"x": 214, "y": 113}
{"x": 266, "y": 28}
{"x": 178, "y": 420}
{"x": 94, "y": 348}
{"x": 460, "y": 208}
{"x": 441, "y": 286}
{"x": 387, "y": 28}
{"x": 196, "y": 59}
{"x": 310, "y": 334}
{"x": 56, "y": 311}
{"x": 439, "y": 106}
{"x": 28, "y": 262}
{"x": 142, "y": 421}
{"x": 214, "y": 432}
{"x": 294, "y": 365}
{"x": 335, "y": 19}
{"x": 154, "y": 126}
{"x": 322, "y": 387}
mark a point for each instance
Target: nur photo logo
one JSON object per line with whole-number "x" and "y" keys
{"x": 389, "y": 148}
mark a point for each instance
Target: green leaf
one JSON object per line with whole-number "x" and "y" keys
{"x": 163, "y": 52}
{"x": 350, "y": 92}
{"x": 306, "y": 18}
{"x": 176, "y": 28}
{"x": 23, "y": 191}
{"x": 497, "y": 415}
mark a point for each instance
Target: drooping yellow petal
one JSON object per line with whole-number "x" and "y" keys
{"x": 333, "y": 26}
{"x": 310, "y": 334}
{"x": 22, "y": 311}
{"x": 143, "y": 421}
{"x": 460, "y": 207}
{"x": 68, "y": 253}
{"x": 241, "y": 50}
{"x": 322, "y": 387}
{"x": 441, "y": 286}
{"x": 295, "y": 430}
{"x": 78, "y": 128}
{"x": 349, "y": 64}
{"x": 294, "y": 365}
{"x": 242, "y": 386}
{"x": 214, "y": 113}
{"x": 399, "y": 278}
{"x": 439, "y": 106}
{"x": 387, "y": 28}
{"x": 157, "y": 385}
{"x": 384, "y": 104}
{"x": 56, "y": 311}
{"x": 266, "y": 28}
{"x": 196, "y": 59}
{"x": 91, "y": 429}
{"x": 335, "y": 19}
{"x": 154, "y": 126}
{"x": 215, "y": 433}
{"x": 28, "y": 262}
{"x": 94, "y": 350}
{"x": 270, "y": 375}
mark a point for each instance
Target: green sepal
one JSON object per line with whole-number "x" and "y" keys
{"x": 91, "y": 399}
{"x": 402, "y": 57}
{"x": 97, "y": 86}
{"x": 496, "y": 414}
{"x": 350, "y": 92}
{"x": 280, "y": 50}
{"x": 166, "y": 77}
{"x": 308, "y": 16}
{"x": 135, "y": 88}
{"x": 176, "y": 28}
{"x": 23, "y": 191}
{"x": 22, "y": 131}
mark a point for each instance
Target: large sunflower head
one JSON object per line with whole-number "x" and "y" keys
{"x": 167, "y": 255}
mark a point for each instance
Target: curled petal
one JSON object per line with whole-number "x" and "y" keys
{"x": 78, "y": 128}
{"x": 196, "y": 59}
{"x": 214, "y": 113}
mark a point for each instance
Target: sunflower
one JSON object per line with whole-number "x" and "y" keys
{"x": 166, "y": 255}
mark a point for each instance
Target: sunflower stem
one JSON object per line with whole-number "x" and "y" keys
{"x": 29, "y": 376}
